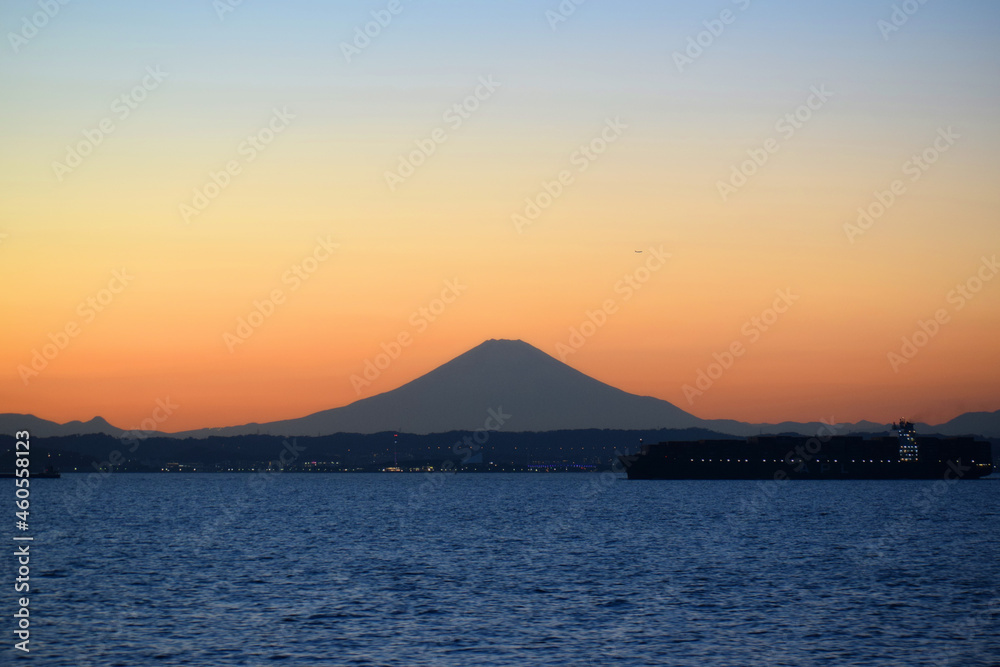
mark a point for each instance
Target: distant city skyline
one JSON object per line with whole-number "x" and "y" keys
{"x": 258, "y": 211}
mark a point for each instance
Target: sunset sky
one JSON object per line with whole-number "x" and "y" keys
{"x": 119, "y": 121}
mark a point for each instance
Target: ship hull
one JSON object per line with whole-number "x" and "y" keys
{"x": 797, "y": 457}
{"x": 652, "y": 469}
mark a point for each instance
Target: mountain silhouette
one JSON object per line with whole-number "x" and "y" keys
{"x": 539, "y": 392}
{"x": 984, "y": 423}
{"x": 43, "y": 428}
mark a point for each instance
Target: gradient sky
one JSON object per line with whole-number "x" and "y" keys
{"x": 323, "y": 176}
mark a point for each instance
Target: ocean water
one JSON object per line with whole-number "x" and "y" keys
{"x": 520, "y": 569}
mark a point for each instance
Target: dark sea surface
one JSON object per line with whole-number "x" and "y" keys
{"x": 519, "y": 569}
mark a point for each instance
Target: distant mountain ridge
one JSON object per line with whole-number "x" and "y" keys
{"x": 509, "y": 381}
{"x": 10, "y": 423}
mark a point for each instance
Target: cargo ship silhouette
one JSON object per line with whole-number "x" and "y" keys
{"x": 781, "y": 457}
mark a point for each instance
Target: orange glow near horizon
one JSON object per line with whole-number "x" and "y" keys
{"x": 169, "y": 326}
